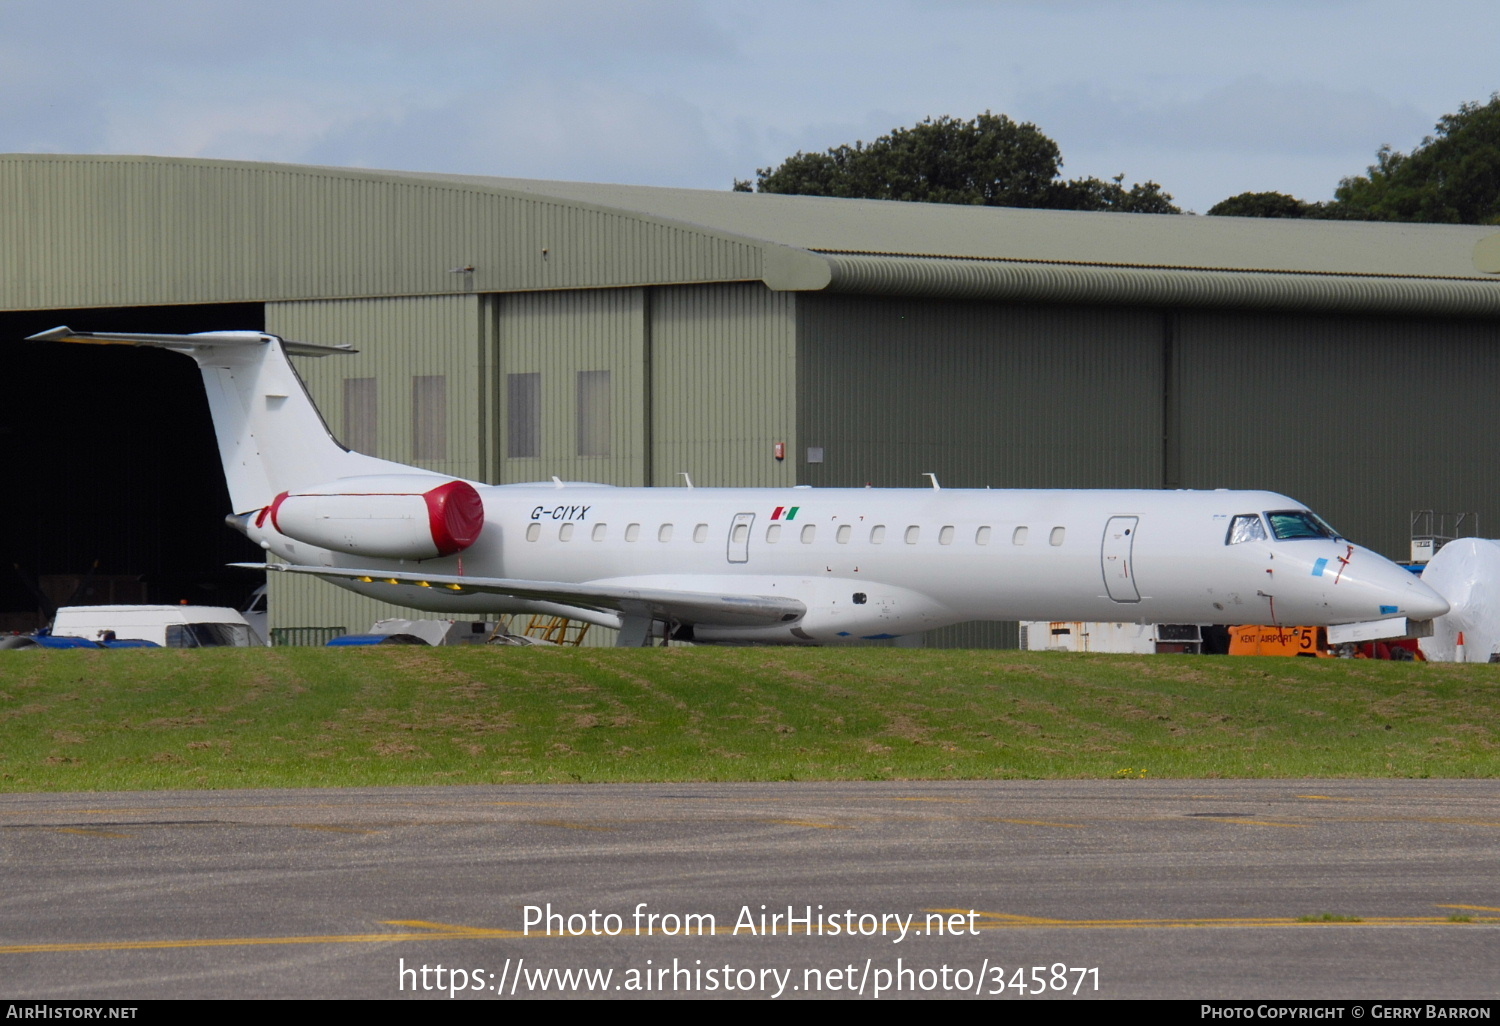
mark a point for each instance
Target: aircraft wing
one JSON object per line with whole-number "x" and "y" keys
{"x": 680, "y": 606}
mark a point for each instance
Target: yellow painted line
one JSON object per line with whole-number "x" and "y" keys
{"x": 1006, "y": 918}
{"x": 807, "y": 823}
{"x": 333, "y": 829}
{"x": 423, "y": 924}
{"x": 956, "y": 801}
{"x": 1331, "y": 798}
{"x": 1022, "y": 922}
{"x": 87, "y": 832}
{"x": 1030, "y": 822}
{"x": 1258, "y": 822}
{"x": 570, "y": 826}
{"x": 229, "y": 942}
{"x": 450, "y": 931}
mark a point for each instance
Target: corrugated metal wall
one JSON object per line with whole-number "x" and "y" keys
{"x": 123, "y": 231}
{"x": 997, "y": 394}
{"x": 399, "y": 341}
{"x": 981, "y": 394}
{"x": 560, "y": 335}
{"x": 723, "y": 392}
{"x": 1363, "y": 418}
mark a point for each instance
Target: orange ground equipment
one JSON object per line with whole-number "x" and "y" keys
{"x": 1261, "y": 639}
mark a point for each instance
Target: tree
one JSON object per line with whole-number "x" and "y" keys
{"x": 1450, "y": 178}
{"x": 1092, "y": 194}
{"x": 989, "y": 161}
{"x": 1263, "y": 204}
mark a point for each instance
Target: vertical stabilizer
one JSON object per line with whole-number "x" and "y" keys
{"x": 272, "y": 438}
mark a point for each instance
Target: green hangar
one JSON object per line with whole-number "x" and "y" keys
{"x": 513, "y": 330}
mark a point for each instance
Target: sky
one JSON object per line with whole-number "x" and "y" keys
{"x": 1209, "y": 98}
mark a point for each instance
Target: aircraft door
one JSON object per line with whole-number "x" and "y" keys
{"x": 739, "y": 538}
{"x": 1115, "y": 557}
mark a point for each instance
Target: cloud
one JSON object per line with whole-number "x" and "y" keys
{"x": 545, "y": 130}
{"x": 269, "y": 79}
{"x": 1248, "y": 115}
{"x": 695, "y": 92}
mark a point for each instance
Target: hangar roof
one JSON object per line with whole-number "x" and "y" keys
{"x": 120, "y": 230}
{"x": 1006, "y": 233}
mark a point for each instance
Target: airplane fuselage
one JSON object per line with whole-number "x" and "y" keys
{"x": 873, "y": 563}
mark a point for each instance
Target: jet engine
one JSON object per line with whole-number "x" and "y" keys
{"x": 397, "y": 516}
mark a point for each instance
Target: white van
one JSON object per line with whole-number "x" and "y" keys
{"x": 167, "y": 626}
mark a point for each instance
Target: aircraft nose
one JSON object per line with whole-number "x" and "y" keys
{"x": 1424, "y": 603}
{"x": 1383, "y": 589}
{"x": 1404, "y": 594}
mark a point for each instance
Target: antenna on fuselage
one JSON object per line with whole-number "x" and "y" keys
{"x": 933, "y": 478}
{"x": 684, "y": 475}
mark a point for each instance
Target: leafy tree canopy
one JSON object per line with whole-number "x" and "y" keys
{"x": 1451, "y": 178}
{"x": 1263, "y": 204}
{"x": 989, "y": 161}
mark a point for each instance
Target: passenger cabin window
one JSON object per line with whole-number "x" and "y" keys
{"x": 1288, "y": 524}
{"x": 1019, "y": 536}
{"x": 807, "y": 534}
{"x": 632, "y": 532}
{"x": 912, "y": 534}
{"x": 740, "y": 533}
{"x": 565, "y": 532}
{"x": 599, "y": 531}
{"x": 700, "y": 533}
{"x": 533, "y": 532}
{"x": 877, "y": 534}
{"x": 1057, "y": 535}
{"x": 842, "y": 536}
{"x": 664, "y": 533}
{"x": 773, "y": 533}
{"x": 1246, "y": 527}
{"x": 982, "y": 536}
{"x": 945, "y": 536}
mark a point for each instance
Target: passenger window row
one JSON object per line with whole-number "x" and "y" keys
{"x": 600, "y": 532}
{"x": 807, "y": 534}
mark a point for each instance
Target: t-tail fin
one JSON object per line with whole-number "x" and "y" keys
{"x": 272, "y": 439}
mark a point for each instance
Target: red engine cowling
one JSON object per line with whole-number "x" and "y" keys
{"x": 393, "y": 517}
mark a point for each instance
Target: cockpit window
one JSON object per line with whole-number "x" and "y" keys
{"x": 1244, "y": 528}
{"x": 1298, "y": 523}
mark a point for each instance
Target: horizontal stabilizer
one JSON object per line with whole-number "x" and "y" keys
{"x": 272, "y": 439}
{"x": 682, "y": 607}
{"x": 185, "y": 343}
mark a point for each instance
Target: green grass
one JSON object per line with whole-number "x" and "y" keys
{"x": 1329, "y": 917}
{"x": 72, "y": 720}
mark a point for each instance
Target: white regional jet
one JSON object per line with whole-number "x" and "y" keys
{"x": 742, "y": 565}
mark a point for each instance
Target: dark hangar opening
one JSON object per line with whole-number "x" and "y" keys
{"x": 119, "y": 496}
